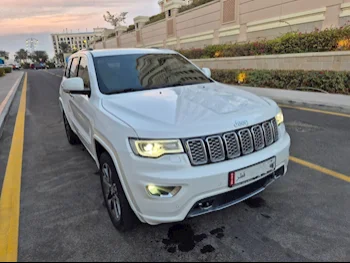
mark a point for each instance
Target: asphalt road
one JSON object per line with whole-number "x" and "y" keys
{"x": 304, "y": 216}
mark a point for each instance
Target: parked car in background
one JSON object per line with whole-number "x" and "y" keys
{"x": 15, "y": 66}
{"x": 39, "y": 66}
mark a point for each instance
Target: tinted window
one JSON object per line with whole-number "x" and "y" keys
{"x": 84, "y": 73}
{"x": 136, "y": 72}
{"x": 74, "y": 68}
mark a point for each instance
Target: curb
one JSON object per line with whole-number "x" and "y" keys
{"x": 10, "y": 96}
{"x": 291, "y": 97}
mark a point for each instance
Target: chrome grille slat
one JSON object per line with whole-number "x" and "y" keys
{"x": 275, "y": 129}
{"x": 232, "y": 145}
{"x": 258, "y": 137}
{"x": 246, "y": 141}
{"x": 197, "y": 151}
{"x": 268, "y": 133}
{"x": 216, "y": 149}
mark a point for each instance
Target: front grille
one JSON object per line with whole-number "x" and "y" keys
{"x": 268, "y": 133}
{"x": 197, "y": 151}
{"x": 246, "y": 141}
{"x": 275, "y": 129}
{"x": 216, "y": 149}
{"x": 233, "y": 144}
{"x": 258, "y": 137}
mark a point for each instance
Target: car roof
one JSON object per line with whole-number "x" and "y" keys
{"x": 127, "y": 51}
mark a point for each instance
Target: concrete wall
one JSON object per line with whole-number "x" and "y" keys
{"x": 98, "y": 45}
{"x": 153, "y": 35}
{"x": 111, "y": 43}
{"x": 128, "y": 40}
{"x": 253, "y": 20}
{"x": 337, "y": 61}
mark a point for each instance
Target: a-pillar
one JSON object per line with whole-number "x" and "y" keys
{"x": 140, "y": 22}
{"x": 119, "y": 30}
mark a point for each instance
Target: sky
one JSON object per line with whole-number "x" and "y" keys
{"x": 22, "y": 19}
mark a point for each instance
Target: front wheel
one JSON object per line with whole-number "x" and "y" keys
{"x": 119, "y": 210}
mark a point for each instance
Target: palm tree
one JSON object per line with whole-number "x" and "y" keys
{"x": 65, "y": 47}
{"x": 21, "y": 55}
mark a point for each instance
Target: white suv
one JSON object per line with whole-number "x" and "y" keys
{"x": 171, "y": 143}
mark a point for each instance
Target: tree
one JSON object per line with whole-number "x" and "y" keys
{"x": 39, "y": 56}
{"x": 21, "y": 55}
{"x": 65, "y": 47}
{"x": 60, "y": 57}
{"x": 4, "y": 54}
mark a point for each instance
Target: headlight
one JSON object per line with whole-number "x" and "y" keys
{"x": 280, "y": 118}
{"x": 156, "y": 148}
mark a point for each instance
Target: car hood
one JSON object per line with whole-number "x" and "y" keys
{"x": 189, "y": 111}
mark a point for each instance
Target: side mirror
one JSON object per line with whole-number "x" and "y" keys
{"x": 207, "y": 72}
{"x": 75, "y": 86}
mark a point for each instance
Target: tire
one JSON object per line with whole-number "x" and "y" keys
{"x": 119, "y": 210}
{"x": 72, "y": 138}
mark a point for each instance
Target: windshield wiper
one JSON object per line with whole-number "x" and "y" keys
{"x": 123, "y": 91}
{"x": 179, "y": 84}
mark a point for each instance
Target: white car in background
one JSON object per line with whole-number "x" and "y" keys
{"x": 171, "y": 143}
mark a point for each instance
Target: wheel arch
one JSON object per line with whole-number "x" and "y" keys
{"x": 100, "y": 147}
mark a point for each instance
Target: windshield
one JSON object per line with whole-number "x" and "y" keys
{"x": 137, "y": 72}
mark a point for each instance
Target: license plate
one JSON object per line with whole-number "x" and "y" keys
{"x": 252, "y": 172}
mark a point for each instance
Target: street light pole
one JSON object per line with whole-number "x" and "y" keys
{"x": 31, "y": 44}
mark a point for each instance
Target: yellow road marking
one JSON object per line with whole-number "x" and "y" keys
{"x": 11, "y": 191}
{"x": 314, "y": 110}
{"x": 320, "y": 169}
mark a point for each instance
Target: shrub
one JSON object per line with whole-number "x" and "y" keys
{"x": 193, "y": 5}
{"x": 329, "y": 81}
{"x": 111, "y": 35}
{"x": 194, "y": 53}
{"x": 156, "y": 18}
{"x": 130, "y": 28}
{"x": 8, "y": 70}
{"x": 51, "y": 65}
{"x": 294, "y": 42}
{"x": 2, "y": 72}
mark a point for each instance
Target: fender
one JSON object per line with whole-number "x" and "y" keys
{"x": 104, "y": 142}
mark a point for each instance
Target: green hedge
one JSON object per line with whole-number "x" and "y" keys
{"x": 156, "y": 18}
{"x": 294, "y": 42}
{"x": 8, "y": 70}
{"x": 329, "y": 81}
{"x": 2, "y": 72}
{"x": 193, "y": 5}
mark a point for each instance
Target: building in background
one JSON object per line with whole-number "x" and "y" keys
{"x": 76, "y": 41}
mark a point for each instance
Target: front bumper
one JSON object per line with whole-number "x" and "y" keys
{"x": 198, "y": 184}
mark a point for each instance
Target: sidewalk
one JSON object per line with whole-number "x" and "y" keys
{"x": 302, "y": 97}
{"x": 8, "y": 87}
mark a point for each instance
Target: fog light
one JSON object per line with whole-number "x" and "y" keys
{"x": 163, "y": 191}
